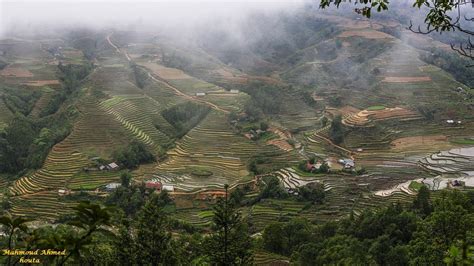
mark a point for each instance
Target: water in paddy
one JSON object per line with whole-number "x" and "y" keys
{"x": 468, "y": 152}
{"x": 455, "y": 164}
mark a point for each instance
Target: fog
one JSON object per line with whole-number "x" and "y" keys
{"x": 30, "y": 17}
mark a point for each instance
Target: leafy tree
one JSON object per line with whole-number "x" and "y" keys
{"x": 125, "y": 178}
{"x": 141, "y": 76}
{"x": 14, "y": 145}
{"x": 273, "y": 238}
{"x": 153, "y": 236}
{"x": 272, "y": 188}
{"x": 336, "y": 132}
{"x": 324, "y": 121}
{"x": 129, "y": 199}
{"x": 183, "y": 117}
{"x": 230, "y": 244}
{"x": 236, "y": 196}
{"x": 192, "y": 251}
{"x": 422, "y": 202}
{"x": 344, "y": 250}
{"x": 133, "y": 155}
{"x": 324, "y": 168}
{"x": 125, "y": 244}
{"x": 12, "y": 227}
{"x": 450, "y": 223}
{"x": 285, "y": 238}
{"x": 308, "y": 254}
{"x": 90, "y": 220}
{"x": 313, "y": 192}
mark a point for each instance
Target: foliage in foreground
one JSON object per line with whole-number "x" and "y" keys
{"x": 425, "y": 233}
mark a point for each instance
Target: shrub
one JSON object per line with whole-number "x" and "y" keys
{"x": 133, "y": 155}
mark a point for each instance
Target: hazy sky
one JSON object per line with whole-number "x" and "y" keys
{"x": 31, "y": 14}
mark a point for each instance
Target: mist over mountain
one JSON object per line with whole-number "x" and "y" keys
{"x": 234, "y": 133}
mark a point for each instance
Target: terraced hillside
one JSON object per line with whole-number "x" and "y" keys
{"x": 139, "y": 115}
{"x": 214, "y": 147}
{"x": 394, "y": 108}
{"x": 94, "y": 134}
{"x": 460, "y": 160}
{"x": 211, "y": 147}
{"x": 29, "y": 63}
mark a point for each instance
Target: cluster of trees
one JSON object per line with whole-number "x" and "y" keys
{"x": 143, "y": 233}
{"x": 336, "y": 132}
{"x": 90, "y": 222}
{"x": 452, "y": 63}
{"x": 312, "y": 192}
{"x": 290, "y": 34}
{"x": 97, "y": 235}
{"x": 25, "y": 142}
{"x": 185, "y": 116}
{"x": 146, "y": 238}
{"x": 71, "y": 75}
{"x": 272, "y": 188}
{"x": 19, "y": 100}
{"x": 141, "y": 76}
{"x": 133, "y": 155}
{"x": 266, "y": 99}
{"x": 176, "y": 61}
{"x": 426, "y": 233}
{"x": 128, "y": 197}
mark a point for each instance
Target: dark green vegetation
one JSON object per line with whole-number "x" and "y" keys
{"x": 451, "y": 64}
{"x": 19, "y": 100}
{"x": 143, "y": 238}
{"x": 336, "y": 132}
{"x": 133, "y": 155}
{"x": 185, "y": 116}
{"x": 428, "y": 231}
{"x": 26, "y": 141}
{"x": 141, "y": 76}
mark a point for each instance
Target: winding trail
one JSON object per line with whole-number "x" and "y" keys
{"x": 182, "y": 94}
{"x": 166, "y": 83}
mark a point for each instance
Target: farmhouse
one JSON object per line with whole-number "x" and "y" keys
{"x": 200, "y": 94}
{"x": 348, "y": 163}
{"x": 168, "y": 188}
{"x": 456, "y": 183}
{"x": 234, "y": 91}
{"x": 64, "y": 192}
{"x": 153, "y": 184}
{"x": 112, "y": 186}
{"x": 312, "y": 167}
{"x": 112, "y": 166}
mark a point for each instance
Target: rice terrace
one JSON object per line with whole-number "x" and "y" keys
{"x": 312, "y": 137}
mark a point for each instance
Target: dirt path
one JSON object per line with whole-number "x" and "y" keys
{"x": 167, "y": 84}
{"x": 334, "y": 145}
{"x": 182, "y": 94}
{"x": 118, "y": 49}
